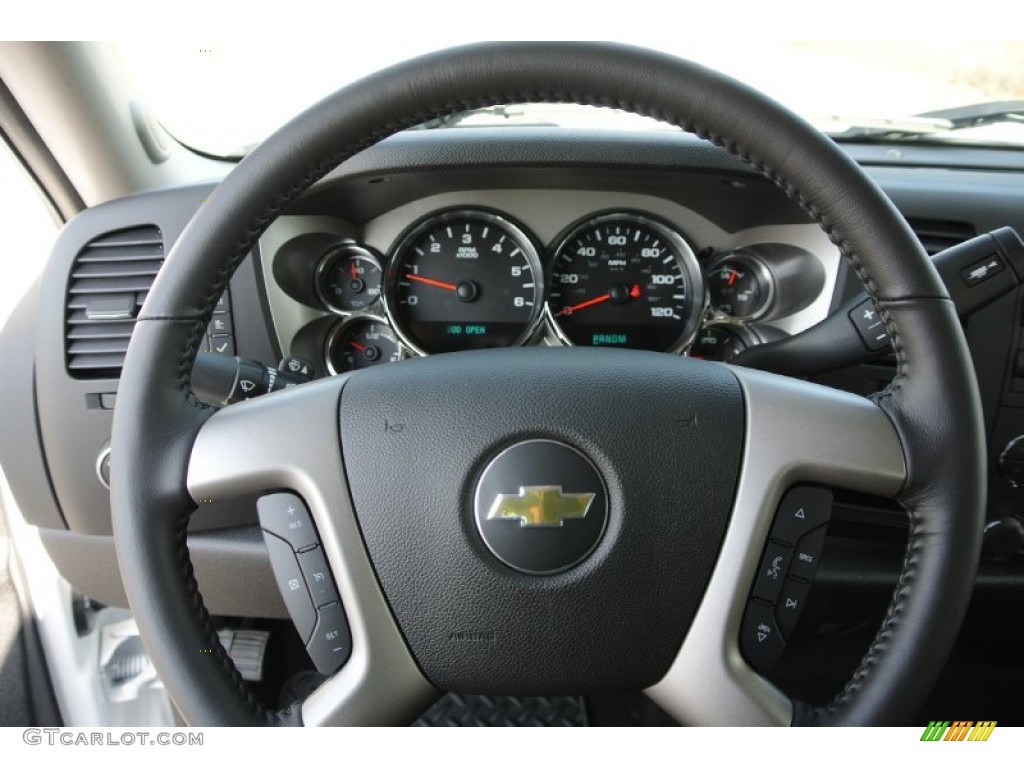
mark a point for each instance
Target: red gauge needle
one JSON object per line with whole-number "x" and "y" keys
{"x": 355, "y": 274}
{"x": 358, "y": 346}
{"x": 732, "y": 276}
{"x": 582, "y": 305}
{"x": 428, "y": 281}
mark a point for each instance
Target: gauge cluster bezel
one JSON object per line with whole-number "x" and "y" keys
{"x": 779, "y": 253}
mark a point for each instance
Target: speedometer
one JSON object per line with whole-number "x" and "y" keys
{"x": 466, "y": 279}
{"x": 624, "y": 280}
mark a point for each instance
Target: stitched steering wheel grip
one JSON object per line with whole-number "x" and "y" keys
{"x": 932, "y": 402}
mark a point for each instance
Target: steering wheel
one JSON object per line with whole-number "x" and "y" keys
{"x": 686, "y": 460}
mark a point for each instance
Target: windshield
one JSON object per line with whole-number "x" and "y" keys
{"x": 225, "y": 98}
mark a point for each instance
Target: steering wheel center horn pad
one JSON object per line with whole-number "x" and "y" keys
{"x": 666, "y": 435}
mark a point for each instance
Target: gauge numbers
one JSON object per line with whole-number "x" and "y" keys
{"x": 466, "y": 279}
{"x": 623, "y": 280}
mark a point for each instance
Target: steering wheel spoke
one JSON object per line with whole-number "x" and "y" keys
{"x": 797, "y": 433}
{"x": 290, "y": 440}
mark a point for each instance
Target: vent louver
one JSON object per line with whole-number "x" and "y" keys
{"x": 936, "y": 235}
{"x": 109, "y": 281}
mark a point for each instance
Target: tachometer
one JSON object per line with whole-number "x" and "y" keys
{"x": 624, "y": 280}
{"x": 466, "y": 279}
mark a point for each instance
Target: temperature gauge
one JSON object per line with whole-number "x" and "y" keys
{"x": 361, "y": 342}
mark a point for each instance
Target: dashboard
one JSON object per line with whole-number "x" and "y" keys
{"x": 558, "y": 267}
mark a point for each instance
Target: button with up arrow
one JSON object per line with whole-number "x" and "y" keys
{"x": 803, "y": 508}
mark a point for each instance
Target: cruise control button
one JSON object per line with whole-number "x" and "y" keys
{"x": 318, "y": 577}
{"x": 285, "y": 516}
{"x": 803, "y": 509}
{"x": 331, "y": 643}
{"x": 870, "y": 326}
{"x": 807, "y": 553}
{"x": 292, "y": 585}
{"x": 772, "y": 572}
{"x": 761, "y": 641}
{"x": 791, "y": 602}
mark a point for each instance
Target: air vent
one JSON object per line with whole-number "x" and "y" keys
{"x": 936, "y": 235}
{"x": 109, "y": 281}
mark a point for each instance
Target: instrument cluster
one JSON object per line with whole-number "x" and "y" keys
{"x": 475, "y": 278}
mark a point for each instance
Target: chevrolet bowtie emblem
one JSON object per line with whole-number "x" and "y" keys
{"x": 540, "y": 505}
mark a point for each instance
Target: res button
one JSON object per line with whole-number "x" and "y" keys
{"x": 285, "y": 515}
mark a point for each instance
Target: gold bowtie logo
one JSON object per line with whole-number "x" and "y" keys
{"x": 540, "y": 505}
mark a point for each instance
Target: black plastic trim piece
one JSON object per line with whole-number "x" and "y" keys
{"x": 408, "y": 165}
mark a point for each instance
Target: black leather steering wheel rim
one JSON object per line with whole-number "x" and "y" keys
{"x": 931, "y": 402}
